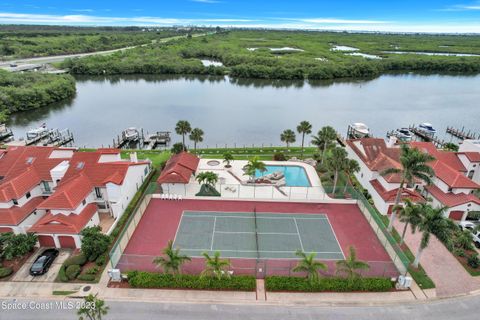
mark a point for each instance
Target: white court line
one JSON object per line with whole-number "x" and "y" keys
{"x": 178, "y": 228}
{"x": 333, "y": 231}
{"x": 240, "y": 217}
{"x": 213, "y": 233}
{"x": 298, "y": 234}
{"x": 268, "y": 251}
{"x": 249, "y": 232}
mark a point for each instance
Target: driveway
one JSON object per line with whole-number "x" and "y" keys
{"x": 23, "y": 274}
{"x": 442, "y": 267}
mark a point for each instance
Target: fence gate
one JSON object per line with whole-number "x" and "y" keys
{"x": 261, "y": 270}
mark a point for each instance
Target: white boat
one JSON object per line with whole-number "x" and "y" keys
{"x": 427, "y": 127}
{"x": 360, "y": 130}
{"x": 34, "y": 133}
{"x": 404, "y": 134}
{"x": 131, "y": 134}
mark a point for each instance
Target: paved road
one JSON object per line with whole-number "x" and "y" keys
{"x": 453, "y": 309}
{"x": 60, "y": 58}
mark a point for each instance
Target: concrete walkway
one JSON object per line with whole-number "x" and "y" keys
{"x": 442, "y": 267}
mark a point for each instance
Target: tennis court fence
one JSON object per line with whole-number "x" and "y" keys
{"x": 260, "y": 268}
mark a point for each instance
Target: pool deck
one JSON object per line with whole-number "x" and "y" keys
{"x": 232, "y": 183}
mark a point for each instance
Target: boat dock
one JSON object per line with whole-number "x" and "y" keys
{"x": 136, "y": 139}
{"x": 5, "y": 133}
{"x": 50, "y": 138}
{"x": 462, "y": 134}
{"x": 427, "y": 137}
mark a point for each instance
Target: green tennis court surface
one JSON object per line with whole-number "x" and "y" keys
{"x": 279, "y": 235}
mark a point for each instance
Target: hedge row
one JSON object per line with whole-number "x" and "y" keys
{"x": 138, "y": 279}
{"x": 276, "y": 283}
{"x": 5, "y": 272}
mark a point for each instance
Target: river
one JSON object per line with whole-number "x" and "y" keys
{"x": 232, "y": 111}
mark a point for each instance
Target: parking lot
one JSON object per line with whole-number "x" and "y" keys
{"x": 23, "y": 275}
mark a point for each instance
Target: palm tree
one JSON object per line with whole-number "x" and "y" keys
{"x": 304, "y": 128}
{"x": 182, "y": 128}
{"x": 93, "y": 308}
{"x": 288, "y": 136}
{"x": 351, "y": 167}
{"x": 172, "y": 259}
{"x": 207, "y": 177}
{"x": 227, "y": 158}
{"x": 216, "y": 267}
{"x": 414, "y": 165}
{"x": 324, "y": 138}
{"x": 196, "y": 136}
{"x": 350, "y": 265}
{"x": 337, "y": 162}
{"x": 408, "y": 214}
{"x": 252, "y": 166}
{"x": 432, "y": 221}
{"x": 309, "y": 265}
{"x": 464, "y": 239}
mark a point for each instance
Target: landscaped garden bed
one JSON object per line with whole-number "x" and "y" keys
{"x": 137, "y": 279}
{"x": 15, "y": 250}
{"x": 276, "y": 283}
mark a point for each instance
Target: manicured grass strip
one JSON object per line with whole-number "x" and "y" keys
{"x": 62, "y": 293}
{"x": 276, "y": 283}
{"x": 138, "y": 279}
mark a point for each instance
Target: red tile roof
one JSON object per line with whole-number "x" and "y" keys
{"x": 377, "y": 156}
{"x": 24, "y": 167}
{"x": 472, "y": 156}
{"x": 451, "y": 177}
{"x": 389, "y": 196}
{"x": 179, "y": 168}
{"x": 69, "y": 194}
{"x": 451, "y": 199}
{"x": 15, "y": 215}
{"x": 68, "y": 224}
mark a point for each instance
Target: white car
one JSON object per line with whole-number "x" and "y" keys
{"x": 471, "y": 225}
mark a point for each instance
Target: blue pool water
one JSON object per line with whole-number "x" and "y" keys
{"x": 295, "y": 175}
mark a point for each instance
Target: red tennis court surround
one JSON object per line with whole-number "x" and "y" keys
{"x": 160, "y": 222}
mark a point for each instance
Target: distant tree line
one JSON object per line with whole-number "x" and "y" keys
{"x": 25, "y": 91}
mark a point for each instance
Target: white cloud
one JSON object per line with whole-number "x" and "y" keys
{"x": 341, "y": 21}
{"x": 83, "y": 10}
{"x": 463, "y": 7}
{"x": 270, "y": 23}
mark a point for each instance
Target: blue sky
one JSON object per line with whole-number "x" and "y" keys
{"x": 461, "y": 16}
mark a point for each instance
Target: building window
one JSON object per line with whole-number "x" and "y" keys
{"x": 470, "y": 174}
{"x": 450, "y": 189}
{"x": 84, "y": 202}
{"x": 98, "y": 193}
{"x": 28, "y": 194}
{"x": 146, "y": 170}
{"x": 15, "y": 202}
{"x": 46, "y": 187}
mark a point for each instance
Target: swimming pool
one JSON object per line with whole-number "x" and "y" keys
{"x": 295, "y": 176}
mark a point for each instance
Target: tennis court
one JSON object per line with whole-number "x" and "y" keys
{"x": 256, "y": 235}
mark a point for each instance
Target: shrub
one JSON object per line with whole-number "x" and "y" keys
{"x": 86, "y": 277}
{"x": 101, "y": 260}
{"x": 73, "y": 271}
{"x": 157, "y": 280}
{"x": 459, "y": 252}
{"x": 62, "y": 275}
{"x": 276, "y": 283}
{"x": 473, "y": 261}
{"x": 80, "y": 259}
{"x": 94, "y": 242}
{"x": 16, "y": 245}
{"x": 92, "y": 270}
{"x": 279, "y": 156}
{"x": 5, "y": 272}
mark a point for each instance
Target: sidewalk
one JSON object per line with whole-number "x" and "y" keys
{"x": 450, "y": 278}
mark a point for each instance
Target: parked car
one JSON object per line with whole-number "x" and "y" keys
{"x": 43, "y": 262}
{"x": 470, "y": 225}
